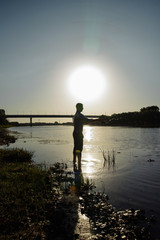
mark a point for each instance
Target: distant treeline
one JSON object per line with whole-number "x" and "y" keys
{"x": 146, "y": 117}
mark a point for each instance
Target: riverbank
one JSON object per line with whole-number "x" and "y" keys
{"x": 37, "y": 203}
{"x": 40, "y": 203}
{"x": 5, "y": 138}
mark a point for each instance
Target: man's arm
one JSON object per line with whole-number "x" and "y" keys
{"x": 88, "y": 121}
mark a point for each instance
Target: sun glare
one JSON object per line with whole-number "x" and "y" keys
{"x": 86, "y": 83}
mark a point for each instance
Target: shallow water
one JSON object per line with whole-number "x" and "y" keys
{"x": 130, "y": 180}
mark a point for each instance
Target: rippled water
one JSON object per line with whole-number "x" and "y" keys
{"x": 130, "y": 180}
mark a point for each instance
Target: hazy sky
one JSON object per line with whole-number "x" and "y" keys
{"x": 43, "y": 41}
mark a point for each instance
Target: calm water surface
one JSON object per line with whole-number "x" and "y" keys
{"x": 131, "y": 182}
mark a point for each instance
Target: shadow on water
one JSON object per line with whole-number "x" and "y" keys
{"x": 64, "y": 217}
{"x": 79, "y": 180}
{"x": 66, "y": 221}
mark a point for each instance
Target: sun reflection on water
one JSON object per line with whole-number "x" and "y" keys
{"x": 88, "y": 133}
{"x": 89, "y": 161}
{"x": 89, "y": 164}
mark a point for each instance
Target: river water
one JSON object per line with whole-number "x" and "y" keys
{"x": 131, "y": 175}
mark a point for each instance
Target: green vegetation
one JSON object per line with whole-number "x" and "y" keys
{"x": 146, "y": 117}
{"x": 24, "y": 198}
{"x": 5, "y": 138}
{"x": 15, "y": 155}
{"x": 3, "y": 120}
{"x": 109, "y": 159}
{"x": 27, "y": 196}
{"x": 150, "y": 109}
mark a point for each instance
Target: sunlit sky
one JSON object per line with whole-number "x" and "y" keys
{"x": 43, "y": 42}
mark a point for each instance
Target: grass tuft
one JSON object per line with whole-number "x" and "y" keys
{"x": 15, "y": 155}
{"x": 27, "y": 199}
{"x": 109, "y": 159}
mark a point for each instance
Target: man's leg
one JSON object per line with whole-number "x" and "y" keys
{"x": 77, "y": 154}
{"x": 80, "y": 151}
{"x": 74, "y": 161}
{"x": 78, "y": 145}
{"x": 79, "y": 160}
{"x": 74, "y": 152}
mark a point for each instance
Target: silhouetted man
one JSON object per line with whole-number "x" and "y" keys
{"x": 79, "y": 120}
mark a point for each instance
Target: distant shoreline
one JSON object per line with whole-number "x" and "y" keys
{"x": 148, "y": 117}
{"x": 71, "y": 124}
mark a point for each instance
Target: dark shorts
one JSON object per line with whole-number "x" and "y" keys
{"x": 78, "y": 141}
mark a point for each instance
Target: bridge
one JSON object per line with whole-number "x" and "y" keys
{"x": 30, "y": 116}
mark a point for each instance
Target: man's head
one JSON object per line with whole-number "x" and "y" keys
{"x": 79, "y": 107}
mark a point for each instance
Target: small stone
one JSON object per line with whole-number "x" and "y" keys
{"x": 123, "y": 237}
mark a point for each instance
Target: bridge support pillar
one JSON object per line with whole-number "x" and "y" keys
{"x": 30, "y": 121}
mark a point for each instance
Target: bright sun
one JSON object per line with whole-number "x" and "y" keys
{"x": 87, "y": 83}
